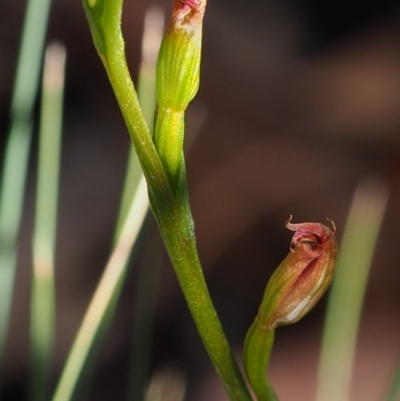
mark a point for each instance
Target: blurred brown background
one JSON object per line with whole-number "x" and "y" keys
{"x": 300, "y": 101}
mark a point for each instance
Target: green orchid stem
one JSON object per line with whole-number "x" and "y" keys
{"x": 170, "y": 208}
{"x": 257, "y": 352}
{"x": 176, "y": 226}
{"x": 178, "y": 235}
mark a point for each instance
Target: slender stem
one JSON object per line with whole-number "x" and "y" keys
{"x": 178, "y": 236}
{"x": 178, "y": 233}
{"x": 176, "y": 229}
{"x": 182, "y": 251}
{"x": 152, "y": 35}
{"x": 257, "y": 352}
{"x": 171, "y": 210}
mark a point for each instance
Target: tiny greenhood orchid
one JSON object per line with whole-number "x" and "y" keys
{"x": 292, "y": 291}
{"x": 304, "y": 275}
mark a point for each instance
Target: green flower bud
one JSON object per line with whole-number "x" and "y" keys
{"x": 178, "y": 70}
{"x": 178, "y": 65}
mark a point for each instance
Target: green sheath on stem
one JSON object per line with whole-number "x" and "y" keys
{"x": 170, "y": 127}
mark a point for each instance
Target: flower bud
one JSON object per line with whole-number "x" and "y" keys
{"x": 178, "y": 70}
{"x": 303, "y": 277}
{"x": 178, "y": 63}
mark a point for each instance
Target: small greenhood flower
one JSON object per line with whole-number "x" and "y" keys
{"x": 303, "y": 277}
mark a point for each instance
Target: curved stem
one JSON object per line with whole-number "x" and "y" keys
{"x": 174, "y": 218}
{"x": 178, "y": 233}
{"x": 257, "y": 351}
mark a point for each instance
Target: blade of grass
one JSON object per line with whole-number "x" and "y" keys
{"x": 394, "y": 393}
{"x": 17, "y": 151}
{"x": 348, "y": 290}
{"x": 152, "y": 39}
{"x": 144, "y": 310}
{"x": 166, "y": 385}
{"x": 104, "y": 296}
{"x": 44, "y": 236}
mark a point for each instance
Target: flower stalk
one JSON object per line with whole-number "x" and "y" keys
{"x": 162, "y": 162}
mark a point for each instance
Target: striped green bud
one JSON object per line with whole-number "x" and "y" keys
{"x": 178, "y": 65}
{"x": 178, "y": 69}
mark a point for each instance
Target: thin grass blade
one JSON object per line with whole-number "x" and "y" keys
{"x": 44, "y": 237}
{"x": 144, "y": 311}
{"x": 166, "y": 385}
{"x": 17, "y": 151}
{"x": 104, "y": 296}
{"x": 153, "y": 27}
{"x": 394, "y": 392}
{"x": 348, "y": 290}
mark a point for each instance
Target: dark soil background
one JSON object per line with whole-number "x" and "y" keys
{"x": 300, "y": 101}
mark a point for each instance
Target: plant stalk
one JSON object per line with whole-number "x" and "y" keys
{"x": 170, "y": 208}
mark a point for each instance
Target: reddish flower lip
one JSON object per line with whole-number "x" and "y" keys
{"x": 190, "y": 3}
{"x": 311, "y": 232}
{"x": 188, "y": 10}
